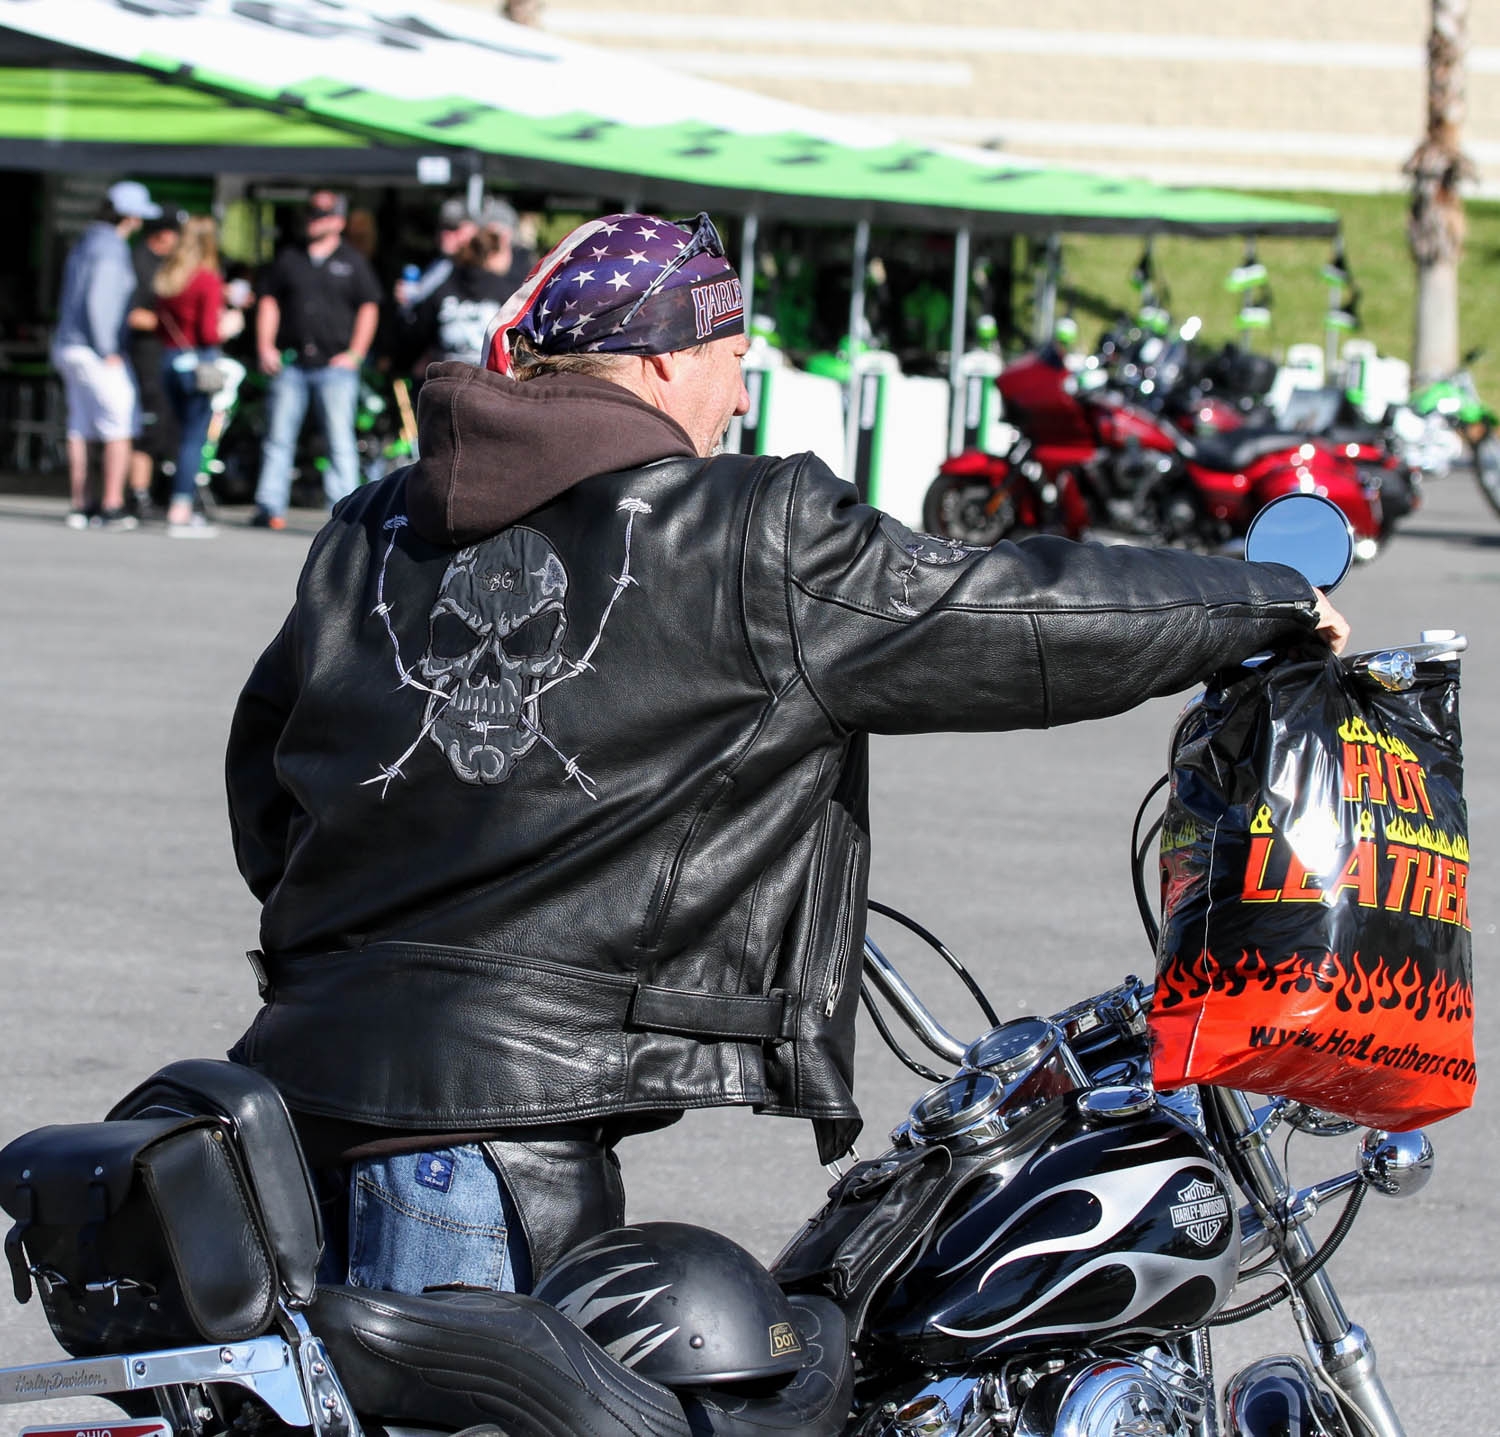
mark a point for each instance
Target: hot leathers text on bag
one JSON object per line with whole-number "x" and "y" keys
{"x": 561, "y": 822}
{"x": 1315, "y": 940}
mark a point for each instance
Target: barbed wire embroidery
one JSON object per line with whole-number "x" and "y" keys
{"x": 920, "y": 549}
{"x": 495, "y": 636}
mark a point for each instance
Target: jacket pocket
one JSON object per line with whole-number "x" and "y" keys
{"x": 812, "y": 1075}
{"x": 660, "y": 906}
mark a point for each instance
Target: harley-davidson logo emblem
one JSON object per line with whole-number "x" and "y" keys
{"x": 1200, "y": 1211}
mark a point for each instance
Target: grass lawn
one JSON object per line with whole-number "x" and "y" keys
{"x": 1096, "y": 280}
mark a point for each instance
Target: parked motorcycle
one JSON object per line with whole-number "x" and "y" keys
{"x": 1456, "y": 401}
{"x": 1095, "y": 449}
{"x": 1045, "y": 1250}
{"x": 1226, "y": 394}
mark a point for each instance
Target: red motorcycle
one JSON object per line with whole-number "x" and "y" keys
{"x": 1201, "y": 409}
{"x": 1097, "y": 453}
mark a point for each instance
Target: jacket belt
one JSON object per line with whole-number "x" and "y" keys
{"x": 766, "y": 1018}
{"x": 752, "y": 1018}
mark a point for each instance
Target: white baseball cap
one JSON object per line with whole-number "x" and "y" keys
{"x": 131, "y": 199}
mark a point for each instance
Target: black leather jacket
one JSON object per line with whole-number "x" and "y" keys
{"x": 570, "y": 821}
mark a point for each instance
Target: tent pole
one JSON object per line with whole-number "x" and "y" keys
{"x": 749, "y": 233}
{"x": 474, "y": 196}
{"x": 1046, "y": 294}
{"x": 956, "y": 339}
{"x": 857, "y": 270}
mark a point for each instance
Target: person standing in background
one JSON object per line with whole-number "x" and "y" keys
{"x": 450, "y": 323}
{"x": 88, "y": 351}
{"x": 189, "y": 299}
{"x": 156, "y": 441}
{"x": 314, "y": 326}
{"x": 456, "y": 227}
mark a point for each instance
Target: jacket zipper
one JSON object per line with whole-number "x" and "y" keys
{"x": 842, "y": 939}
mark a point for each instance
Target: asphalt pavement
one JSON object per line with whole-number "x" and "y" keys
{"x": 125, "y": 921}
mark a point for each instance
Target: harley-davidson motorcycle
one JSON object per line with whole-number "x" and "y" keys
{"x": 1097, "y": 448}
{"x": 1046, "y": 1249}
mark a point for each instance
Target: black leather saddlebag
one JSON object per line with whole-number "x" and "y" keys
{"x": 265, "y": 1141}
{"x": 177, "y": 1221}
{"x": 873, "y": 1221}
{"x": 141, "y": 1234}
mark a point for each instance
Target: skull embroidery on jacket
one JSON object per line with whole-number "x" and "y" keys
{"x": 495, "y": 634}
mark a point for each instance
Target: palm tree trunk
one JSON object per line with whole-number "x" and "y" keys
{"x": 1436, "y": 224}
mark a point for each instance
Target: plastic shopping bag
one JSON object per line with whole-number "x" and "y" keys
{"x": 1315, "y": 935}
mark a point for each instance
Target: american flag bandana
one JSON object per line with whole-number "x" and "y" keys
{"x": 624, "y": 284}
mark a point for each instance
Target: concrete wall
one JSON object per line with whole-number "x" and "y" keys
{"x": 1283, "y": 94}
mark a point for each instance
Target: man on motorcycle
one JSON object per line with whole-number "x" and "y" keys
{"x": 553, "y": 784}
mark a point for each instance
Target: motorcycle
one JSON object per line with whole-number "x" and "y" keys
{"x": 1455, "y": 401}
{"x": 1225, "y": 395}
{"x": 1095, "y": 448}
{"x": 1045, "y": 1250}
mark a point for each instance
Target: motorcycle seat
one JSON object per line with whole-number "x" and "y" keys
{"x": 1342, "y": 434}
{"x": 467, "y": 1358}
{"x": 1240, "y": 448}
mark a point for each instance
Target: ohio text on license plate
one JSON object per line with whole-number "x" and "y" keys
{"x": 154, "y": 1428}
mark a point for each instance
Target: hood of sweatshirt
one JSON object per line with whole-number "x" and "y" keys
{"x": 493, "y": 448}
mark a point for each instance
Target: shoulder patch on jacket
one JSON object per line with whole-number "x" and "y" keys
{"x": 917, "y": 550}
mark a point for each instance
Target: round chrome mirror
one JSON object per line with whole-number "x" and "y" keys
{"x": 1396, "y": 1164}
{"x": 1307, "y": 533}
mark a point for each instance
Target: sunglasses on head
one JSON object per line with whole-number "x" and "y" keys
{"x": 705, "y": 240}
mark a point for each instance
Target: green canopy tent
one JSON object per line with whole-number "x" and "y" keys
{"x": 66, "y": 108}
{"x": 137, "y": 123}
{"x": 530, "y": 109}
{"x": 541, "y": 111}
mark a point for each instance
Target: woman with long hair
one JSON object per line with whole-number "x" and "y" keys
{"x": 189, "y": 298}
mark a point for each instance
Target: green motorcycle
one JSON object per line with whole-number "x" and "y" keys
{"x": 1456, "y": 400}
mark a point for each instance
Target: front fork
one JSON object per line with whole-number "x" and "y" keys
{"x": 1340, "y": 1350}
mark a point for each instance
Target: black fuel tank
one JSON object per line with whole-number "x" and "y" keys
{"x": 1125, "y": 1226}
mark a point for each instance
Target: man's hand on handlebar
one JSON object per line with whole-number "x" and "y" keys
{"x": 1331, "y": 624}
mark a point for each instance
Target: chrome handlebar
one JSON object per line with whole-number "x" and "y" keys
{"x": 887, "y": 980}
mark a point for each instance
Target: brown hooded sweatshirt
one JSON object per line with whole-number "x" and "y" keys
{"x": 495, "y": 448}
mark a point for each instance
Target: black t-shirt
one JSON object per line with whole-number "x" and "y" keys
{"x": 452, "y": 320}
{"x": 145, "y": 344}
{"x": 319, "y": 301}
{"x": 146, "y": 265}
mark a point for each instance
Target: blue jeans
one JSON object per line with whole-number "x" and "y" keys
{"x": 334, "y": 392}
{"x": 431, "y": 1219}
{"x": 193, "y": 409}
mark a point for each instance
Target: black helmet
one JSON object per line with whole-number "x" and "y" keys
{"x": 678, "y": 1304}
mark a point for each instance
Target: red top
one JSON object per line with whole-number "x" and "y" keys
{"x": 190, "y": 318}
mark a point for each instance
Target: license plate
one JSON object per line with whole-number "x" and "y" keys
{"x": 155, "y": 1427}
